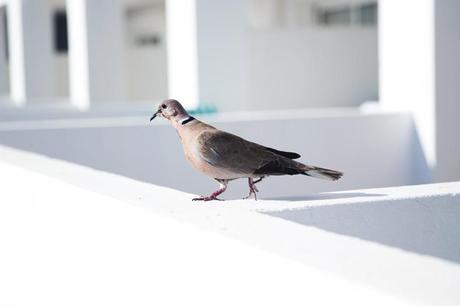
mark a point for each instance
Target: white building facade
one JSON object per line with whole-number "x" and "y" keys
{"x": 201, "y": 52}
{"x": 96, "y": 200}
{"x": 240, "y": 55}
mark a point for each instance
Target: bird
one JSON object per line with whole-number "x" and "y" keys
{"x": 226, "y": 157}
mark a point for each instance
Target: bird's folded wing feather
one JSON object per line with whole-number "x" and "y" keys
{"x": 228, "y": 151}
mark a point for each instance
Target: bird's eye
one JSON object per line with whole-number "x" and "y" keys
{"x": 163, "y": 106}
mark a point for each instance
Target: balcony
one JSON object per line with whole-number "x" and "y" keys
{"x": 121, "y": 241}
{"x": 87, "y": 197}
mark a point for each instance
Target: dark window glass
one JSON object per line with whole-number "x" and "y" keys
{"x": 148, "y": 40}
{"x": 369, "y": 13}
{"x": 60, "y": 32}
{"x": 335, "y": 16}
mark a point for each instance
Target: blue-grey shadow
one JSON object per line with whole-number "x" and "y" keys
{"x": 420, "y": 170}
{"x": 428, "y": 226}
{"x": 327, "y": 196}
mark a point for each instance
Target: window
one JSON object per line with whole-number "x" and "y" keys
{"x": 144, "y": 25}
{"x": 368, "y": 14}
{"x": 60, "y": 32}
{"x": 351, "y": 15}
{"x": 334, "y": 16}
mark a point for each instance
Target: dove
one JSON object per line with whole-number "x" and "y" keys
{"x": 226, "y": 157}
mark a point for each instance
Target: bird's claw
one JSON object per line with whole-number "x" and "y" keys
{"x": 252, "y": 189}
{"x": 249, "y": 196}
{"x": 251, "y": 192}
{"x": 205, "y": 199}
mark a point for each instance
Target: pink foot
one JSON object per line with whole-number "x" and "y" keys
{"x": 205, "y": 199}
{"x": 213, "y": 196}
{"x": 252, "y": 188}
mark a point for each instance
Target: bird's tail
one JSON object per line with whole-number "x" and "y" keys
{"x": 325, "y": 174}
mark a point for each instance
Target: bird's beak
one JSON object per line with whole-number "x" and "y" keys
{"x": 153, "y": 116}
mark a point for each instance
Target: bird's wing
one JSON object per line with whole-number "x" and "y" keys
{"x": 290, "y": 155}
{"x": 228, "y": 151}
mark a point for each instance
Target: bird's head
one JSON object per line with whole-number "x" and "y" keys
{"x": 171, "y": 110}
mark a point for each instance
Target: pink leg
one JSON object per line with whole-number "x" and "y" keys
{"x": 252, "y": 188}
{"x": 213, "y": 196}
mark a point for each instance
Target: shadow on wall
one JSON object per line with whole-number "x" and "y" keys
{"x": 420, "y": 169}
{"x": 427, "y": 226}
{"x": 328, "y": 196}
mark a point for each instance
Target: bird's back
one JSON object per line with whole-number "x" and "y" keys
{"x": 243, "y": 158}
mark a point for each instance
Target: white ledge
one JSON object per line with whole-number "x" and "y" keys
{"x": 96, "y": 237}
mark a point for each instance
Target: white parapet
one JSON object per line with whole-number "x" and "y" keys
{"x": 70, "y": 233}
{"x": 373, "y": 150}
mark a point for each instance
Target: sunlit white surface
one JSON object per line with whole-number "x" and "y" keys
{"x": 73, "y": 235}
{"x": 29, "y": 35}
{"x": 407, "y": 64}
{"x": 96, "y": 67}
{"x": 419, "y": 72}
{"x": 182, "y": 51}
{"x": 64, "y": 245}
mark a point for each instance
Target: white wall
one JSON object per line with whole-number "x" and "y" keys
{"x": 4, "y": 66}
{"x": 223, "y": 54}
{"x": 123, "y": 242}
{"x": 30, "y": 51}
{"x": 208, "y": 53}
{"x": 303, "y": 67}
{"x": 61, "y": 66}
{"x": 268, "y": 55}
{"x": 145, "y": 66}
{"x": 313, "y": 68}
{"x": 265, "y": 14}
{"x": 420, "y": 69}
{"x": 447, "y": 44}
{"x": 372, "y": 150}
{"x": 407, "y": 64}
{"x": 146, "y": 70}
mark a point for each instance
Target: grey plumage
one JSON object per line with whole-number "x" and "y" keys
{"x": 228, "y": 151}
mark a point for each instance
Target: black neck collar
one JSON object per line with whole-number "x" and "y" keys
{"x": 186, "y": 120}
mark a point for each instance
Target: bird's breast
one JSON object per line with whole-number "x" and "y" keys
{"x": 193, "y": 156}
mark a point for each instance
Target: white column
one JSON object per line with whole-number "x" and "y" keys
{"x": 208, "y": 52}
{"x": 96, "y": 56}
{"x": 419, "y": 72}
{"x": 30, "y": 50}
{"x": 447, "y": 72}
{"x": 182, "y": 51}
{"x": 4, "y": 87}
